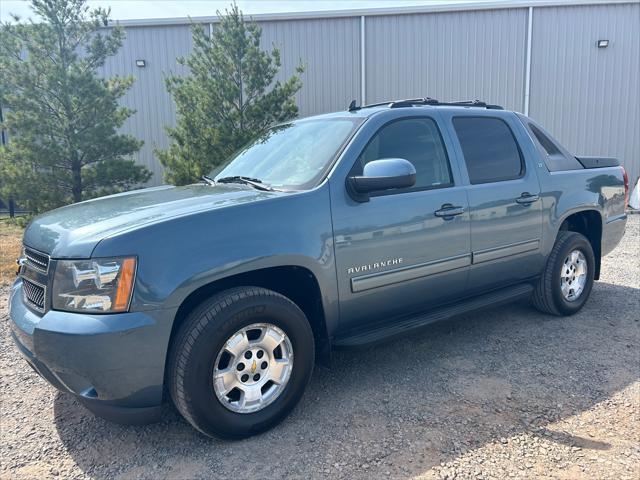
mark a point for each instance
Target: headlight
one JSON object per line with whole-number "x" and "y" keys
{"x": 97, "y": 285}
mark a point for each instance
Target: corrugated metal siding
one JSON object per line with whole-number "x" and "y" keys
{"x": 330, "y": 49}
{"x": 589, "y": 97}
{"x": 159, "y": 47}
{"x": 448, "y": 56}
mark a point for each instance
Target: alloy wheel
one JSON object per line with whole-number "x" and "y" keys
{"x": 253, "y": 368}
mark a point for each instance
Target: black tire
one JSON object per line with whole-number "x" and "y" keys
{"x": 548, "y": 297}
{"x": 202, "y": 336}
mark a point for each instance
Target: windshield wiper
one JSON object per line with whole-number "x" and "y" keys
{"x": 208, "y": 180}
{"x": 254, "y": 182}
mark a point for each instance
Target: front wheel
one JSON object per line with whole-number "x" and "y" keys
{"x": 241, "y": 362}
{"x": 567, "y": 280}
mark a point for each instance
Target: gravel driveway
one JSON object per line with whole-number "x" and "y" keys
{"x": 507, "y": 392}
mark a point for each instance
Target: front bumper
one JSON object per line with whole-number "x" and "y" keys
{"x": 114, "y": 364}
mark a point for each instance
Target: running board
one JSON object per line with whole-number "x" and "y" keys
{"x": 406, "y": 325}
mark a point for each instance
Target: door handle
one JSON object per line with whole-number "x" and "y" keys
{"x": 448, "y": 211}
{"x": 527, "y": 199}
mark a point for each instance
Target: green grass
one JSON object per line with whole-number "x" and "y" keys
{"x": 10, "y": 245}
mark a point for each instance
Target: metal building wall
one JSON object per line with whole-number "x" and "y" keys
{"x": 449, "y": 56}
{"x": 330, "y": 50}
{"x": 589, "y": 97}
{"x": 159, "y": 46}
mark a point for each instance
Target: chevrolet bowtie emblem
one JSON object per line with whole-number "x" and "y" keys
{"x": 254, "y": 365}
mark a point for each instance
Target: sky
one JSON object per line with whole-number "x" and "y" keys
{"x": 139, "y": 9}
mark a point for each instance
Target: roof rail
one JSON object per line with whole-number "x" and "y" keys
{"x": 426, "y": 101}
{"x": 409, "y": 102}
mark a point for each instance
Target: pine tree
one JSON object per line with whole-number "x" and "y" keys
{"x": 230, "y": 97}
{"x": 62, "y": 119}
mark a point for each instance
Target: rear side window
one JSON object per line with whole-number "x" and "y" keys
{"x": 417, "y": 140}
{"x": 490, "y": 150}
{"x": 545, "y": 141}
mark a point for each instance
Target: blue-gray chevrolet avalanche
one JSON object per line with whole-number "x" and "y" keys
{"x": 337, "y": 230}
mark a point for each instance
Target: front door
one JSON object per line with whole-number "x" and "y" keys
{"x": 398, "y": 252}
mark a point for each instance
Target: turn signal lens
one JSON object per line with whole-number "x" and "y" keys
{"x": 125, "y": 284}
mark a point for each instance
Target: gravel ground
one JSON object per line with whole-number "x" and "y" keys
{"x": 506, "y": 393}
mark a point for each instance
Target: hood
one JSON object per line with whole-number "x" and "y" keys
{"x": 75, "y": 230}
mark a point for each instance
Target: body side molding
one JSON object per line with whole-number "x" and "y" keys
{"x": 379, "y": 279}
{"x": 505, "y": 251}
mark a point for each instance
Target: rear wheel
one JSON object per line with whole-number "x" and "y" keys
{"x": 567, "y": 280}
{"x": 241, "y": 362}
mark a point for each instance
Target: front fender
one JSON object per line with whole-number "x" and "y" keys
{"x": 222, "y": 272}
{"x": 177, "y": 257}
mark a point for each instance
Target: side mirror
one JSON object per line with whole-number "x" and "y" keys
{"x": 384, "y": 174}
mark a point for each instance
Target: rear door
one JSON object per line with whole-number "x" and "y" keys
{"x": 504, "y": 199}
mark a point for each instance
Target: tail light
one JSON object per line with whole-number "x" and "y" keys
{"x": 625, "y": 178}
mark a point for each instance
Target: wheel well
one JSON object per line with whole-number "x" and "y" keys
{"x": 296, "y": 283}
{"x": 589, "y": 224}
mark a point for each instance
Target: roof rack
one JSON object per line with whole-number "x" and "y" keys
{"x": 426, "y": 101}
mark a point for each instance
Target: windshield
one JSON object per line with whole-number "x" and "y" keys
{"x": 293, "y": 156}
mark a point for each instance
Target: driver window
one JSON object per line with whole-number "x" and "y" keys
{"x": 417, "y": 140}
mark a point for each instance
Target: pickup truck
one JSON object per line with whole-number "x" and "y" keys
{"x": 337, "y": 230}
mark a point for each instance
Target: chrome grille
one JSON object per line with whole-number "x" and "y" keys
{"x": 34, "y": 294}
{"x": 36, "y": 260}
